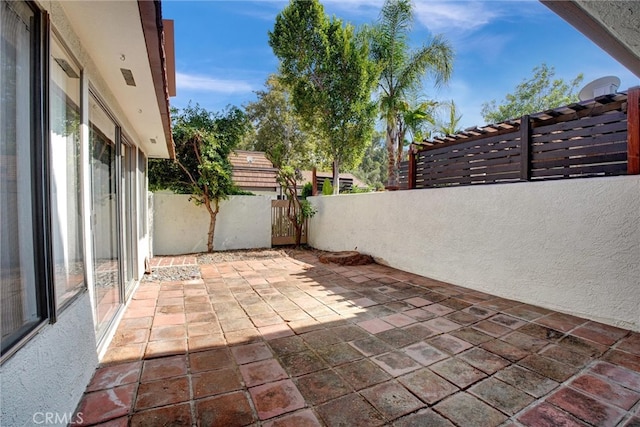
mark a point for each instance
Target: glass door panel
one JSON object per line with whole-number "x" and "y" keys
{"x": 104, "y": 217}
{"x": 129, "y": 215}
{"x": 65, "y": 158}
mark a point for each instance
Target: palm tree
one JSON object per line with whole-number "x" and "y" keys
{"x": 402, "y": 70}
{"x": 415, "y": 121}
{"x": 452, "y": 124}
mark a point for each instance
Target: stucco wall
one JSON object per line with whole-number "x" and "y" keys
{"x": 180, "y": 227}
{"x": 570, "y": 245}
{"x": 50, "y": 373}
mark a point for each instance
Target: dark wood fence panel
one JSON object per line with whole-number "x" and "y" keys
{"x": 599, "y": 137}
{"x": 403, "y": 181}
{"x": 489, "y": 160}
{"x": 592, "y": 146}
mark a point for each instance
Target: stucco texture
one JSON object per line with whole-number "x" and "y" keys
{"x": 51, "y": 372}
{"x": 180, "y": 227}
{"x": 570, "y": 245}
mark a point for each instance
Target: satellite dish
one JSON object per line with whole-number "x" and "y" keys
{"x": 599, "y": 87}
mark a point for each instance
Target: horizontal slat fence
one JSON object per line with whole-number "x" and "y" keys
{"x": 593, "y": 138}
{"x": 490, "y": 160}
{"x": 593, "y": 146}
{"x": 403, "y": 175}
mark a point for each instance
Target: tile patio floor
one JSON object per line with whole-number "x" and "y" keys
{"x": 291, "y": 342}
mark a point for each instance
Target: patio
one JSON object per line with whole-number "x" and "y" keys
{"x": 284, "y": 340}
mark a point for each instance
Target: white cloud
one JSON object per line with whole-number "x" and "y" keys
{"x": 369, "y": 8}
{"x": 209, "y": 84}
{"x": 448, "y": 16}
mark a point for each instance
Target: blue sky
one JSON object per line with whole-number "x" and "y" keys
{"x": 223, "y": 55}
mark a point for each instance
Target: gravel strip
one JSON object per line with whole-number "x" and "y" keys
{"x": 173, "y": 274}
{"x": 240, "y": 255}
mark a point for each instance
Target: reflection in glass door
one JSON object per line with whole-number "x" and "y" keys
{"x": 129, "y": 209}
{"x": 104, "y": 217}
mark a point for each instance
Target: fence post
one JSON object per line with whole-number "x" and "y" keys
{"x": 411, "y": 178}
{"x": 314, "y": 179}
{"x": 633, "y": 131}
{"x": 525, "y": 148}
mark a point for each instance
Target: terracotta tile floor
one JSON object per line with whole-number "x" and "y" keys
{"x": 291, "y": 342}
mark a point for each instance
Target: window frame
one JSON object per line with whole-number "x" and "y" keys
{"x": 40, "y": 207}
{"x": 41, "y": 211}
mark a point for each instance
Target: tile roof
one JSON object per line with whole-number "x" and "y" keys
{"x": 252, "y": 170}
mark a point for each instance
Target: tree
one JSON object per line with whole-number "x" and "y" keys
{"x": 450, "y": 125}
{"x": 278, "y": 130}
{"x": 297, "y": 210}
{"x": 201, "y": 168}
{"x": 402, "y": 72}
{"x": 373, "y": 168}
{"x": 326, "y": 66}
{"x": 539, "y": 93}
{"x": 327, "y": 188}
{"x": 279, "y": 133}
{"x": 414, "y": 120}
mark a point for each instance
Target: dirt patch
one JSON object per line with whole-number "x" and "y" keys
{"x": 345, "y": 258}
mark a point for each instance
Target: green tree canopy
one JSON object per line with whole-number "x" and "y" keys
{"x": 278, "y": 129}
{"x": 449, "y": 122}
{"x": 538, "y": 93}
{"x": 201, "y": 168}
{"x": 402, "y": 73}
{"x": 326, "y": 66}
{"x": 280, "y": 134}
{"x": 373, "y": 168}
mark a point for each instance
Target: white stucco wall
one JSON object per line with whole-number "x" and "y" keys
{"x": 50, "y": 373}
{"x": 570, "y": 245}
{"x": 180, "y": 227}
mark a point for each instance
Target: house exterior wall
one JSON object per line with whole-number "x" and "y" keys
{"x": 49, "y": 373}
{"x": 568, "y": 245}
{"x": 180, "y": 227}
{"x": 52, "y": 370}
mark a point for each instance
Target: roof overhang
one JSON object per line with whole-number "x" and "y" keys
{"x": 612, "y": 25}
{"x": 129, "y": 35}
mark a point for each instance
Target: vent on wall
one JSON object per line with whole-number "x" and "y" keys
{"x": 128, "y": 76}
{"x": 67, "y": 68}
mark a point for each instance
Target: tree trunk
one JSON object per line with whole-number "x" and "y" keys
{"x": 298, "y": 234}
{"x": 400, "y": 148}
{"x": 292, "y": 213}
{"x": 391, "y": 163}
{"x": 336, "y": 176}
{"x": 212, "y": 223}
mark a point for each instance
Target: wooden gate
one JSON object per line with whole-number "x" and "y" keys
{"x": 282, "y": 231}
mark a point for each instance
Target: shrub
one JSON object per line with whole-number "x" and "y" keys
{"x": 327, "y": 188}
{"x": 307, "y": 190}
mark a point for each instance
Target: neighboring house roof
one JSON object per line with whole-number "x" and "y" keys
{"x": 252, "y": 171}
{"x": 139, "y": 49}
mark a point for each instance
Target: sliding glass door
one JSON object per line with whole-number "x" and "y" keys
{"x": 129, "y": 213}
{"x": 107, "y": 280}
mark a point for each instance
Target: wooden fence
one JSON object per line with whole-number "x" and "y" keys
{"x": 600, "y": 137}
{"x": 282, "y": 230}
